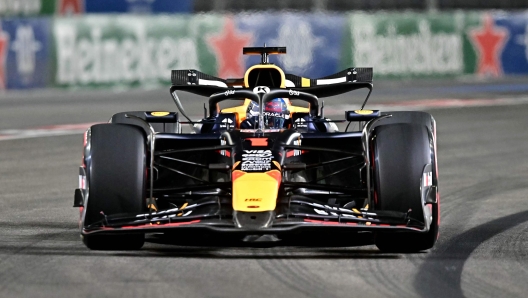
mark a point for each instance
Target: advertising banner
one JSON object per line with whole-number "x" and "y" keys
{"x": 24, "y": 53}
{"x": 41, "y": 7}
{"x": 100, "y": 50}
{"x": 313, "y": 41}
{"x": 72, "y": 7}
{"x": 20, "y": 7}
{"x": 138, "y": 6}
{"x": 488, "y": 44}
{"x": 407, "y": 44}
{"x": 484, "y": 44}
{"x": 514, "y": 43}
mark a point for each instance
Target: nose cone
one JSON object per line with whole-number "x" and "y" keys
{"x": 255, "y": 192}
{"x": 253, "y": 220}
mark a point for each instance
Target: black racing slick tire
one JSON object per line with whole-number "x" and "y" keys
{"x": 401, "y": 151}
{"x": 116, "y": 164}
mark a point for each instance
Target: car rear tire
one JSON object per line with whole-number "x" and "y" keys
{"x": 116, "y": 181}
{"x": 401, "y": 151}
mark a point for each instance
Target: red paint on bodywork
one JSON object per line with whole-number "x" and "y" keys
{"x": 258, "y": 142}
{"x": 173, "y": 224}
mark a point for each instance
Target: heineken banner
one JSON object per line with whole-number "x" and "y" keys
{"x": 42, "y": 7}
{"x": 407, "y": 44}
{"x": 21, "y": 7}
{"x": 441, "y": 44}
{"x": 140, "y": 50}
{"x": 131, "y": 50}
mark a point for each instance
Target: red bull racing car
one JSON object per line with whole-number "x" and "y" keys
{"x": 264, "y": 167}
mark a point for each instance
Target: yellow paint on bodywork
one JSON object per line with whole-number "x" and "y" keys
{"x": 240, "y": 111}
{"x": 264, "y": 66}
{"x": 159, "y": 114}
{"x": 255, "y": 192}
{"x": 363, "y": 112}
{"x": 295, "y": 109}
{"x": 182, "y": 207}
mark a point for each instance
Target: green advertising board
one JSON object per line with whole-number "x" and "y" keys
{"x": 30, "y": 7}
{"x": 131, "y": 50}
{"x": 21, "y": 7}
{"x": 407, "y": 44}
{"x": 472, "y": 24}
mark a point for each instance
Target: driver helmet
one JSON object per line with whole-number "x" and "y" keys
{"x": 275, "y": 113}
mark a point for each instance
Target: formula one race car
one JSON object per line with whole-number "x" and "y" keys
{"x": 266, "y": 167}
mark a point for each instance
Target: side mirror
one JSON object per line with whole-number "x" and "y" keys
{"x": 361, "y": 115}
{"x": 161, "y": 117}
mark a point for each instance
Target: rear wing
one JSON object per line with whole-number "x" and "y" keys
{"x": 350, "y": 79}
{"x": 353, "y": 74}
{"x": 347, "y": 80}
{"x": 195, "y": 77}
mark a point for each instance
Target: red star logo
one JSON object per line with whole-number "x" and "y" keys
{"x": 66, "y": 7}
{"x": 489, "y": 42}
{"x": 228, "y": 50}
{"x": 4, "y": 44}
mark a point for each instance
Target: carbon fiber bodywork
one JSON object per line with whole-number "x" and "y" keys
{"x": 305, "y": 176}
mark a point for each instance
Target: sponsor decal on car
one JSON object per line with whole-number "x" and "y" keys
{"x": 427, "y": 179}
{"x": 227, "y": 153}
{"x": 300, "y": 123}
{"x": 256, "y": 160}
{"x": 253, "y": 200}
{"x": 258, "y": 142}
{"x": 272, "y": 114}
{"x": 82, "y": 182}
{"x": 295, "y": 152}
{"x": 294, "y": 93}
{"x": 261, "y": 89}
{"x": 226, "y": 123}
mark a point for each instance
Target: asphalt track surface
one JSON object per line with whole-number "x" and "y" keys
{"x": 482, "y": 250}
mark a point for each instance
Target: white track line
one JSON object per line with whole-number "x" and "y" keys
{"x": 411, "y": 105}
{"x": 429, "y": 104}
{"x": 44, "y": 131}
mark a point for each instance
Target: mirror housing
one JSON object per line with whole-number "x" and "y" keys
{"x": 362, "y": 115}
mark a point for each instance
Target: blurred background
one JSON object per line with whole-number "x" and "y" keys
{"x": 124, "y": 43}
{"x": 465, "y": 61}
